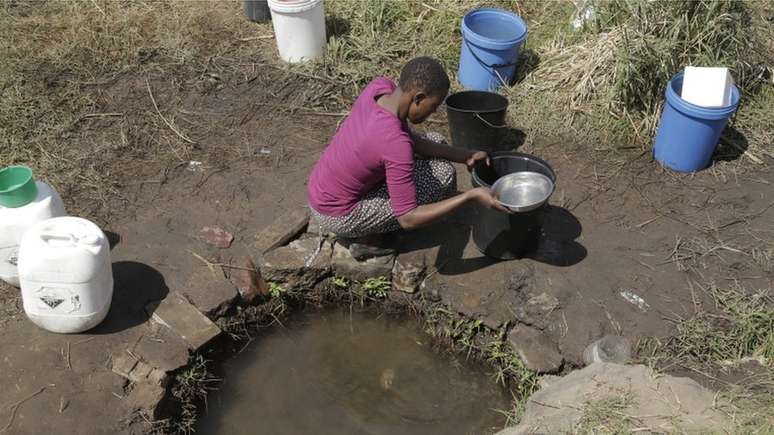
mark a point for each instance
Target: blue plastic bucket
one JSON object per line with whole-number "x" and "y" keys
{"x": 688, "y": 134}
{"x": 491, "y": 41}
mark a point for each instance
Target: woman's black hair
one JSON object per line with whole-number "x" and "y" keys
{"x": 424, "y": 74}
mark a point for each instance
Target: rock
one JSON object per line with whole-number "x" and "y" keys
{"x": 496, "y": 295}
{"x": 177, "y": 314}
{"x": 158, "y": 377}
{"x": 298, "y": 266}
{"x": 538, "y": 351}
{"x": 666, "y": 404}
{"x": 138, "y": 371}
{"x": 282, "y": 230}
{"x": 148, "y": 397}
{"x": 542, "y": 303}
{"x": 408, "y": 272}
{"x": 313, "y": 227}
{"x": 217, "y": 237}
{"x": 249, "y": 282}
{"x": 346, "y": 266}
{"x": 123, "y": 365}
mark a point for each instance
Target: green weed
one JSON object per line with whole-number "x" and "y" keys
{"x": 276, "y": 290}
{"x": 191, "y": 386}
{"x": 377, "y": 287}
{"x": 340, "y": 283}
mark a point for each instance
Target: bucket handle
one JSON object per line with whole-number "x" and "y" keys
{"x": 68, "y": 237}
{"x": 487, "y": 122}
{"x": 494, "y": 66}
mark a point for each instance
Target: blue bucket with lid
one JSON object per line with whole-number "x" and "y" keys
{"x": 491, "y": 43}
{"x": 688, "y": 134}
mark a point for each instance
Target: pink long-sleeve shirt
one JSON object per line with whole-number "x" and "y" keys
{"x": 372, "y": 146}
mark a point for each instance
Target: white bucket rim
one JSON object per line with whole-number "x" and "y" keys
{"x": 292, "y": 6}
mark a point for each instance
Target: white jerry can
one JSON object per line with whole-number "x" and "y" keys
{"x": 14, "y": 222}
{"x": 66, "y": 275}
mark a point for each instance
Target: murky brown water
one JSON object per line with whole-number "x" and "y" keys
{"x": 329, "y": 373}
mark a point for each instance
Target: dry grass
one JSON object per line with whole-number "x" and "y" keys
{"x": 65, "y": 62}
{"x": 736, "y": 328}
{"x": 607, "y": 83}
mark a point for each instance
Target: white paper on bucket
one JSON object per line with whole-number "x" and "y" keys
{"x": 707, "y": 87}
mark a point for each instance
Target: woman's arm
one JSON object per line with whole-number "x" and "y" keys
{"x": 428, "y": 148}
{"x": 425, "y": 214}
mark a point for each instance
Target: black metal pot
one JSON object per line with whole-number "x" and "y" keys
{"x": 476, "y": 119}
{"x": 502, "y": 235}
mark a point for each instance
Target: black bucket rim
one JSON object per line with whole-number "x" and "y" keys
{"x": 503, "y": 154}
{"x": 503, "y": 102}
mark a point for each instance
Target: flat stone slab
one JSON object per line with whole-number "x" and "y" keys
{"x": 299, "y": 265}
{"x": 536, "y": 348}
{"x": 344, "y": 265}
{"x": 282, "y": 230}
{"x": 648, "y": 400}
{"x": 177, "y": 314}
{"x": 209, "y": 289}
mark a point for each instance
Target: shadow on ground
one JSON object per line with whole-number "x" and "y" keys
{"x": 731, "y": 147}
{"x": 557, "y": 245}
{"x": 528, "y": 62}
{"x": 136, "y": 286}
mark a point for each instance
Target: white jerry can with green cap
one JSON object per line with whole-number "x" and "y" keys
{"x": 15, "y": 221}
{"x": 66, "y": 275}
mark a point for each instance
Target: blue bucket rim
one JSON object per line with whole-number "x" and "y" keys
{"x": 469, "y": 35}
{"x": 676, "y": 101}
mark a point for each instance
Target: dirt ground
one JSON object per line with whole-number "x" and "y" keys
{"x": 619, "y": 223}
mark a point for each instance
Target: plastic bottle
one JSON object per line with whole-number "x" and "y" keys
{"x": 66, "y": 275}
{"x": 14, "y": 222}
{"x": 610, "y": 348}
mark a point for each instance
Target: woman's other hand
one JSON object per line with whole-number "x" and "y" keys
{"x": 475, "y": 157}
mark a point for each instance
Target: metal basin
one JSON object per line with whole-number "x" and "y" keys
{"x": 523, "y": 191}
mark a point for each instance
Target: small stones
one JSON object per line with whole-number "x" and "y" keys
{"x": 249, "y": 282}
{"x": 217, "y": 237}
{"x": 282, "y": 230}
{"x": 345, "y": 265}
{"x": 542, "y": 303}
{"x": 300, "y": 265}
{"x": 536, "y": 349}
{"x": 408, "y": 272}
{"x": 138, "y": 371}
{"x": 149, "y": 398}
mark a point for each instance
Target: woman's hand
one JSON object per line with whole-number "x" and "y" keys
{"x": 483, "y": 196}
{"x": 475, "y": 157}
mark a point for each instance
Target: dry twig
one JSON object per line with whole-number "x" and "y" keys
{"x": 169, "y": 124}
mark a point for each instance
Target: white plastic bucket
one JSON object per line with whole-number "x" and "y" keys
{"x": 14, "y": 222}
{"x": 66, "y": 275}
{"x": 299, "y": 27}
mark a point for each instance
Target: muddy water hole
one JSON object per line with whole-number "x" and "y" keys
{"x": 334, "y": 371}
